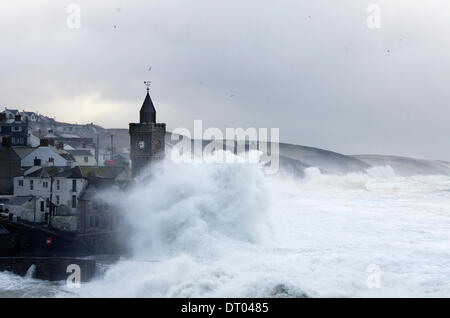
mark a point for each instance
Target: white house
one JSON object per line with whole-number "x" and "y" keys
{"x": 30, "y": 116}
{"x": 84, "y": 157}
{"x": 11, "y": 113}
{"x": 61, "y": 186}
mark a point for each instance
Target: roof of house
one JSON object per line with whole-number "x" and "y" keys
{"x": 69, "y": 136}
{"x": 43, "y": 153}
{"x": 14, "y": 111}
{"x": 50, "y": 135}
{"x": 19, "y": 200}
{"x": 80, "y": 152}
{"x": 22, "y": 152}
{"x": 98, "y": 185}
{"x": 104, "y": 172}
{"x": 3, "y": 230}
{"x": 56, "y": 172}
{"x": 67, "y": 156}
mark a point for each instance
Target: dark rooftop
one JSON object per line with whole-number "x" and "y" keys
{"x": 105, "y": 172}
{"x": 19, "y": 200}
{"x": 98, "y": 185}
{"x": 80, "y": 152}
{"x": 22, "y": 152}
{"x": 3, "y": 230}
{"x": 56, "y": 172}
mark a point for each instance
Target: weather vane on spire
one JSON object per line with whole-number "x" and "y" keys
{"x": 147, "y": 84}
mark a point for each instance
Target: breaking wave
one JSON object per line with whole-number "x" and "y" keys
{"x": 204, "y": 230}
{"x": 212, "y": 230}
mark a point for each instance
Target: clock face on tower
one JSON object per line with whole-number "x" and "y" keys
{"x": 141, "y": 144}
{"x": 157, "y": 144}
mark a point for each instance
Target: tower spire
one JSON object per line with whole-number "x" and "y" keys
{"x": 148, "y": 111}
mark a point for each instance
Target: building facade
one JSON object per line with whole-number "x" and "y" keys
{"x": 9, "y": 167}
{"x": 61, "y": 186}
{"x": 16, "y": 129}
{"x": 83, "y": 157}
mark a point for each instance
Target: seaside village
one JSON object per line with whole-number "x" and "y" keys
{"x": 51, "y": 173}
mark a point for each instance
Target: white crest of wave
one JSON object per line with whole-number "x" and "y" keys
{"x": 203, "y": 230}
{"x": 383, "y": 172}
{"x": 184, "y": 207}
{"x": 30, "y": 271}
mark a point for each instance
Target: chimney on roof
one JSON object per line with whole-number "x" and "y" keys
{"x": 17, "y": 118}
{"x": 60, "y": 145}
{"x": 37, "y": 162}
{"x": 6, "y": 141}
{"x": 51, "y": 142}
{"x": 44, "y": 143}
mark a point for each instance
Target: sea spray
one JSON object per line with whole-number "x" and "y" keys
{"x": 30, "y": 271}
{"x": 182, "y": 206}
{"x": 325, "y": 232}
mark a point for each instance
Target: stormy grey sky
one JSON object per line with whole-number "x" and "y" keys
{"x": 312, "y": 68}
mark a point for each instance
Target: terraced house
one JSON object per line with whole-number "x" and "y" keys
{"x": 55, "y": 192}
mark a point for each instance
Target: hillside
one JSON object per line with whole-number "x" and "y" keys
{"x": 293, "y": 158}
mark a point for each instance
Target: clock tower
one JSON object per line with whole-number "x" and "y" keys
{"x": 146, "y": 137}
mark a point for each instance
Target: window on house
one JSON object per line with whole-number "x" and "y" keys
{"x": 16, "y": 128}
{"x": 74, "y": 185}
{"x": 47, "y": 202}
{"x": 45, "y": 184}
{"x": 86, "y": 159}
{"x": 74, "y": 201}
{"x": 31, "y": 185}
{"x": 58, "y": 184}
{"x": 42, "y": 206}
{"x": 57, "y": 199}
{"x": 94, "y": 221}
{"x": 20, "y": 183}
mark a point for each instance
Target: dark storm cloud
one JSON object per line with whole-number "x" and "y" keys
{"x": 311, "y": 68}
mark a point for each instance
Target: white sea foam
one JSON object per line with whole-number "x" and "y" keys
{"x": 228, "y": 231}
